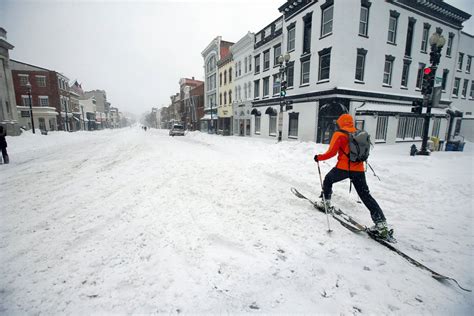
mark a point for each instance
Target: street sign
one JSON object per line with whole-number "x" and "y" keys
{"x": 438, "y": 81}
{"x": 437, "y": 97}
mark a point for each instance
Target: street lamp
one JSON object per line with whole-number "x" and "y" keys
{"x": 437, "y": 42}
{"x": 28, "y": 86}
{"x": 283, "y": 61}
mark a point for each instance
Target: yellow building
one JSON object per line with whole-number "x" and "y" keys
{"x": 225, "y": 98}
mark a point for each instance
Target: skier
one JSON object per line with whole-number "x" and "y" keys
{"x": 347, "y": 169}
{"x": 3, "y": 144}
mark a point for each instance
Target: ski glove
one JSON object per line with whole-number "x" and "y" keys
{"x": 316, "y": 158}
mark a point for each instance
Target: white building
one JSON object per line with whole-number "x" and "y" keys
{"x": 462, "y": 91}
{"x": 242, "y": 52}
{"x": 365, "y": 57}
{"x": 216, "y": 50}
{"x": 89, "y": 109}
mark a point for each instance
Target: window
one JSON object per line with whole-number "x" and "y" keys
{"x": 44, "y": 101}
{"x": 230, "y": 74}
{"x": 276, "y": 54}
{"x": 240, "y": 70}
{"x": 392, "y": 26}
{"x": 468, "y": 64}
{"x": 246, "y": 64}
{"x": 387, "y": 71}
{"x": 410, "y": 127}
{"x": 290, "y": 74}
{"x": 405, "y": 73}
{"x": 293, "y": 125}
{"x": 220, "y": 99}
{"x": 257, "y": 64}
{"x": 225, "y": 97}
{"x": 230, "y": 96}
{"x": 266, "y": 60}
{"x": 460, "y": 60}
{"x": 360, "y": 64}
{"x": 326, "y": 20}
{"x": 23, "y": 80}
{"x": 445, "y": 79}
{"x": 449, "y": 48}
{"x": 307, "y": 33}
{"x": 464, "y": 88}
{"x": 324, "y": 64}
{"x": 272, "y": 124}
{"x": 250, "y": 63}
{"x": 256, "y": 89}
{"x": 266, "y": 86}
{"x": 409, "y": 41}
{"x": 220, "y": 79}
{"x": 249, "y": 86}
{"x": 41, "y": 81}
{"x": 457, "y": 82}
{"x": 257, "y": 124}
{"x": 381, "y": 129}
{"x": 291, "y": 39}
{"x": 471, "y": 94}
{"x": 225, "y": 76}
{"x": 245, "y": 90}
{"x": 236, "y": 70}
{"x": 436, "y": 127}
{"x": 364, "y": 18}
{"x": 276, "y": 85}
{"x": 25, "y": 114}
{"x": 419, "y": 76}
{"x": 25, "y": 100}
{"x": 424, "y": 38}
{"x": 305, "y": 72}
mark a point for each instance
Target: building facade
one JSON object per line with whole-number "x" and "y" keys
{"x": 225, "y": 99}
{"x": 216, "y": 50}
{"x": 242, "y": 53}
{"x": 49, "y": 96}
{"x": 8, "y": 111}
{"x": 369, "y": 64}
{"x": 187, "y": 109}
{"x": 102, "y": 107}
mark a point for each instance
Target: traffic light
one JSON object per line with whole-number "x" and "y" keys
{"x": 283, "y": 87}
{"x": 428, "y": 81}
{"x": 417, "y": 107}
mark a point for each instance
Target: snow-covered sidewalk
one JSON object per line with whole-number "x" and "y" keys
{"x": 127, "y": 221}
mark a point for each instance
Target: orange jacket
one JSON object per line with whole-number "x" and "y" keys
{"x": 340, "y": 145}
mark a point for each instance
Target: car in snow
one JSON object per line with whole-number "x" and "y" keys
{"x": 177, "y": 130}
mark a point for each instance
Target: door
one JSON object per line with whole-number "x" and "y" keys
{"x": 329, "y": 112}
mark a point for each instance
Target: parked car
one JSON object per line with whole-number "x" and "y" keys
{"x": 177, "y": 130}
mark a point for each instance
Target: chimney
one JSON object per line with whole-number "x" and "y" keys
{"x": 193, "y": 78}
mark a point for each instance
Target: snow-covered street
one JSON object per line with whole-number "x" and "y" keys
{"x": 127, "y": 221}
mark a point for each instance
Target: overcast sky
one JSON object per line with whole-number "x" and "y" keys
{"x": 134, "y": 50}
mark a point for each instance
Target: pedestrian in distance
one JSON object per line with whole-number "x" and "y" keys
{"x": 355, "y": 171}
{"x": 3, "y": 144}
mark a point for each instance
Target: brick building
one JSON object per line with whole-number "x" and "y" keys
{"x": 49, "y": 97}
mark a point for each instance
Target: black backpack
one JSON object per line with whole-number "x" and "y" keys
{"x": 359, "y": 145}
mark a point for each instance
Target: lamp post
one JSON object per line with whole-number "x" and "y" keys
{"x": 28, "y": 86}
{"x": 83, "y": 117}
{"x": 283, "y": 61}
{"x": 437, "y": 42}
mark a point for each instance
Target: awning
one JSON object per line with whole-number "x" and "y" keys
{"x": 271, "y": 111}
{"x": 208, "y": 117}
{"x": 255, "y": 112}
{"x": 393, "y": 108}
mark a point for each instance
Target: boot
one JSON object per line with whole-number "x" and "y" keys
{"x": 381, "y": 229}
{"x": 325, "y": 205}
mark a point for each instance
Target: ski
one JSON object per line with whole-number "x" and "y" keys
{"x": 348, "y": 222}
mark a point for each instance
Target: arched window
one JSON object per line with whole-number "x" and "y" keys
{"x": 220, "y": 79}
{"x": 240, "y": 68}
{"x": 220, "y": 99}
{"x": 225, "y": 76}
{"x": 230, "y": 96}
{"x": 225, "y": 98}
{"x": 230, "y": 74}
{"x": 245, "y": 90}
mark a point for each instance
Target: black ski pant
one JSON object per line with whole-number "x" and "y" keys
{"x": 358, "y": 180}
{"x": 5, "y": 155}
